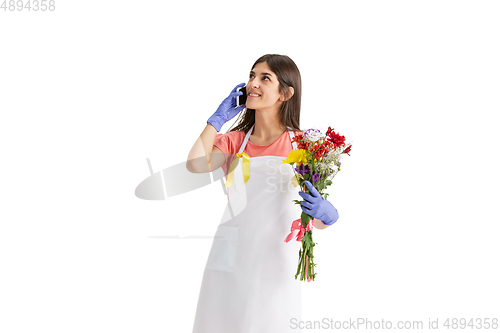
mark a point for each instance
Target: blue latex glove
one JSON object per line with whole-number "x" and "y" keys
{"x": 316, "y": 206}
{"x": 227, "y": 109}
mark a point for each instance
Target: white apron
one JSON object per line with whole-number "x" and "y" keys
{"x": 249, "y": 281}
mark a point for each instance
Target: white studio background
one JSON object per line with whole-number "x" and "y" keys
{"x": 90, "y": 90}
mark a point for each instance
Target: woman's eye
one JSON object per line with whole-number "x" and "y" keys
{"x": 265, "y": 78}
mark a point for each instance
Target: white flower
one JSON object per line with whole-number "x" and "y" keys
{"x": 313, "y": 135}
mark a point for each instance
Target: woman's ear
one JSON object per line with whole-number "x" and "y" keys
{"x": 290, "y": 94}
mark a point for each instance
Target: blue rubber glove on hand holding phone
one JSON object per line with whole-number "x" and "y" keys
{"x": 227, "y": 109}
{"x": 318, "y": 207}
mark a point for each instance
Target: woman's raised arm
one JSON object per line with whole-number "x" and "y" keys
{"x": 204, "y": 156}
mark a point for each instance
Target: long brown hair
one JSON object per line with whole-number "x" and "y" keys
{"x": 288, "y": 76}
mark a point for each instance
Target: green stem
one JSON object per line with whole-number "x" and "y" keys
{"x": 304, "y": 262}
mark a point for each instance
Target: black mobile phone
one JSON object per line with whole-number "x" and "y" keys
{"x": 240, "y": 100}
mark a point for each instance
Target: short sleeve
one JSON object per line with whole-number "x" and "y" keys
{"x": 221, "y": 143}
{"x": 228, "y": 143}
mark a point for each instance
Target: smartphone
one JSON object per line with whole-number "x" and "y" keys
{"x": 240, "y": 100}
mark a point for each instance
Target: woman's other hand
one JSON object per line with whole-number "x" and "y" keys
{"x": 318, "y": 207}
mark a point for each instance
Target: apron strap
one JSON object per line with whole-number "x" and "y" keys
{"x": 243, "y": 145}
{"x": 294, "y": 144}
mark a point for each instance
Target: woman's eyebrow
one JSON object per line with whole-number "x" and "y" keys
{"x": 252, "y": 72}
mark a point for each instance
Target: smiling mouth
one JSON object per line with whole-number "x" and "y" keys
{"x": 253, "y": 95}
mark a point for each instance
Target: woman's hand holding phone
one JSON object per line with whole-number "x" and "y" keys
{"x": 228, "y": 109}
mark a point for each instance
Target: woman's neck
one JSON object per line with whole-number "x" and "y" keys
{"x": 267, "y": 125}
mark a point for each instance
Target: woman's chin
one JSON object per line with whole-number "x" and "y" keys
{"x": 250, "y": 105}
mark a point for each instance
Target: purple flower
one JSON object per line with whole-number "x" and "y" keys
{"x": 315, "y": 177}
{"x": 302, "y": 169}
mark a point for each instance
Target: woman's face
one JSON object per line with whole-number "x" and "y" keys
{"x": 263, "y": 88}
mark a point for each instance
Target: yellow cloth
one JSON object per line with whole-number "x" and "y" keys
{"x": 245, "y": 166}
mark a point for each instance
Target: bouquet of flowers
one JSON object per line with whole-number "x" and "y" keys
{"x": 318, "y": 160}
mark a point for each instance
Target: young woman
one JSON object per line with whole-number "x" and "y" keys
{"x": 249, "y": 281}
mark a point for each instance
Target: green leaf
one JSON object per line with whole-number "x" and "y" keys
{"x": 305, "y": 218}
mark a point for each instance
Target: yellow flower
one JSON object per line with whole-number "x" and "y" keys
{"x": 298, "y": 156}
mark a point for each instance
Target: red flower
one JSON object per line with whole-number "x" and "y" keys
{"x": 328, "y": 145}
{"x": 322, "y": 150}
{"x": 347, "y": 150}
{"x": 319, "y": 151}
{"x": 319, "y": 154}
{"x": 337, "y": 139}
{"x": 304, "y": 145}
{"x": 298, "y": 138}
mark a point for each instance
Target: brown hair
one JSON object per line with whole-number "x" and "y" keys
{"x": 288, "y": 76}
